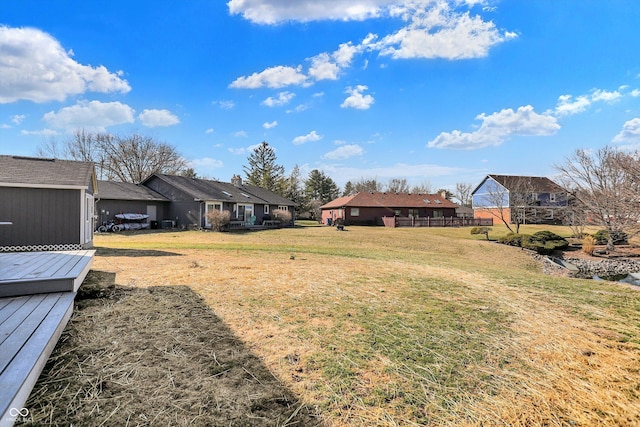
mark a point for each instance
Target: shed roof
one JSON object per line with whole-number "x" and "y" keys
{"x": 203, "y": 189}
{"x": 41, "y": 172}
{"x": 391, "y": 200}
{"x": 127, "y": 191}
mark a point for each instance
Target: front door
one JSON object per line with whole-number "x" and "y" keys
{"x": 152, "y": 212}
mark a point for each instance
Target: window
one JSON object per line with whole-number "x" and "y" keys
{"x": 397, "y": 212}
{"x": 355, "y": 211}
{"x": 438, "y": 214}
{"x": 413, "y": 213}
{"x": 283, "y": 208}
{"x": 552, "y": 197}
{"x": 266, "y": 209}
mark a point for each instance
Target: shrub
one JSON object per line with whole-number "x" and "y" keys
{"x": 602, "y": 237}
{"x": 219, "y": 220}
{"x": 588, "y": 244}
{"x": 481, "y": 230}
{"x": 512, "y": 239}
{"x": 284, "y": 216}
{"x": 545, "y": 242}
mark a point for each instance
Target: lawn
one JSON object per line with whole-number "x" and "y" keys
{"x": 312, "y": 326}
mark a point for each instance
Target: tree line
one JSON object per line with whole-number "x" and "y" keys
{"x": 134, "y": 157}
{"x": 604, "y": 184}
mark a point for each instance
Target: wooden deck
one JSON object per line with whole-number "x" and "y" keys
{"x": 37, "y": 290}
{"x": 30, "y": 327}
{"x": 27, "y": 273}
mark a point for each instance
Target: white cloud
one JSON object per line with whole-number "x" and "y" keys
{"x": 497, "y": 128}
{"x": 241, "y": 134}
{"x": 270, "y": 125}
{"x": 42, "y": 132}
{"x": 206, "y": 164}
{"x": 568, "y": 105}
{"x": 36, "y": 68}
{"x": 274, "y": 77}
{"x": 323, "y": 68}
{"x": 427, "y": 29}
{"x": 326, "y": 66}
{"x": 209, "y": 131}
{"x": 277, "y": 11}
{"x": 283, "y": 99}
{"x": 158, "y": 118}
{"x": 344, "y": 152}
{"x": 243, "y": 150}
{"x": 356, "y": 99}
{"x": 603, "y": 95}
{"x": 635, "y": 93}
{"x": 435, "y": 30}
{"x": 310, "y": 137}
{"x": 225, "y": 105}
{"x": 18, "y": 118}
{"x": 94, "y": 115}
{"x": 630, "y": 132}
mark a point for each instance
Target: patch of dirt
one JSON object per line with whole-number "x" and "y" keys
{"x": 156, "y": 356}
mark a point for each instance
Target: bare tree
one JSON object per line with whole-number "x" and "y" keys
{"x": 605, "y": 188}
{"x": 462, "y": 193}
{"x": 423, "y": 188}
{"x": 398, "y": 185}
{"x": 128, "y": 159}
{"x": 371, "y": 185}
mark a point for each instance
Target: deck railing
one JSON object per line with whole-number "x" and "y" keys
{"x": 436, "y": 222}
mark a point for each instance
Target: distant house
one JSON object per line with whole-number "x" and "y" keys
{"x": 191, "y": 199}
{"x": 535, "y": 199}
{"x": 123, "y": 197}
{"x": 48, "y": 202}
{"x": 370, "y": 208}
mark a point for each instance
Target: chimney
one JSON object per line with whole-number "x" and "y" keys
{"x": 443, "y": 193}
{"x": 236, "y": 180}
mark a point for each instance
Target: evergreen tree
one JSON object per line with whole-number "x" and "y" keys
{"x": 349, "y": 189}
{"x": 320, "y": 187}
{"x": 262, "y": 170}
{"x": 293, "y": 189}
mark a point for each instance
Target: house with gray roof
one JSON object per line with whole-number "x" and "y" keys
{"x": 46, "y": 204}
{"x": 192, "y": 198}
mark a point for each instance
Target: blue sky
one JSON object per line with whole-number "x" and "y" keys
{"x": 437, "y": 91}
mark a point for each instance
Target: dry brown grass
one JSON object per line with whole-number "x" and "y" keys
{"x": 366, "y": 327}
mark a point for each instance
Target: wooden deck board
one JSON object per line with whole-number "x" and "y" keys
{"x": 43, "y": 272}
{"x": 32, "y": 331}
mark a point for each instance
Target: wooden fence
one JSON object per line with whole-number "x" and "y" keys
{"x": 392, "y": 221}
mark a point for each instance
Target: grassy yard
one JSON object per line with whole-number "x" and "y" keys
{"x": 311, "y": 326}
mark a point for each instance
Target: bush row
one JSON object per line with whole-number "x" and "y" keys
{"x": 543, "y": 242}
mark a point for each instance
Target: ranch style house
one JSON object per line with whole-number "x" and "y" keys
{"x": 367, "y": 208}
{"x": 177, "y": 201}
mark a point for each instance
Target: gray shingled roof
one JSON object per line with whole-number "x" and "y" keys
{"x": 203, "y": 189}
{"x": 53, "y": 173}
{"x": 540, "y": 184}
{"x": 127, "y": 191}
